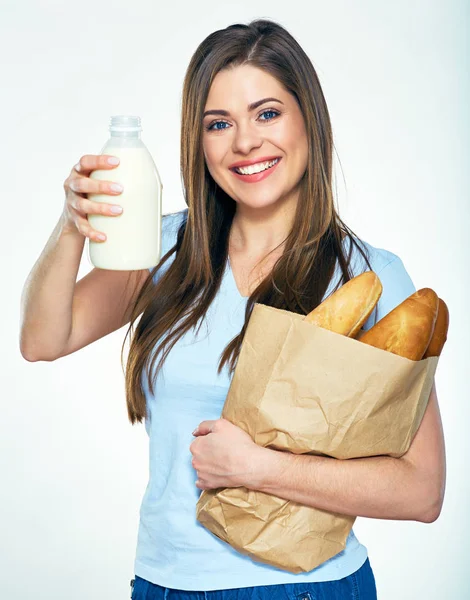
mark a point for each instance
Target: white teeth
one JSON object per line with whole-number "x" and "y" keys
{"x": 257, "y": 168}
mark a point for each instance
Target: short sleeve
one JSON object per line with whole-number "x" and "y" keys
{"x": 170, "y": 227}
{"x": 396, "y": 287}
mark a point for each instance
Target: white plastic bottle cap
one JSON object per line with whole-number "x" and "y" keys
{"x": 124, "y": 123}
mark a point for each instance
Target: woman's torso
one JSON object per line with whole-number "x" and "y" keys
{"x": 173, "y": 549}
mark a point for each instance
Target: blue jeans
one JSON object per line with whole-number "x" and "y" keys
{"x": 357, "y": 586}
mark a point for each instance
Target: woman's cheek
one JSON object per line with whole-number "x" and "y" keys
{"x": 217, "y": 176}
{"x": 209, "y": 166}
{"x": 210, "y": 160}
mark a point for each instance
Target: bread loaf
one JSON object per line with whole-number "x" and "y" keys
{"x": 408, "y": 328}
{"x": 347, "y": 309}
{"x": 439, "y": 335}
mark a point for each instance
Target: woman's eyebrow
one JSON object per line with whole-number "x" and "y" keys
{"x": 225, "y": 113}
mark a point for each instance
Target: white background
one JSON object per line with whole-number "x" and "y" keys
{"x": 396, "y": 79}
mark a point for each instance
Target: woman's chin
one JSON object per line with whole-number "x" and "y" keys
{"x": 266, "y": 203}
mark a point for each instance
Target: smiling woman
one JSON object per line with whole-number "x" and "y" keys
{"x": 256, "y": 163}
{"x": 270, "y": 133}
{"x": 260, "y": 227}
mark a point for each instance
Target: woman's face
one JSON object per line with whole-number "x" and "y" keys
{"x": 273, "y": 129}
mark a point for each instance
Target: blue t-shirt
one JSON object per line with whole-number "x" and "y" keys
{"x": 173, "y": 549}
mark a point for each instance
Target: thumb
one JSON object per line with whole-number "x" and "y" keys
{"x": 204, "y": 428}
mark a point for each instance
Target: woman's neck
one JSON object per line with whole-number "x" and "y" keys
{"x": 258, "y": 231}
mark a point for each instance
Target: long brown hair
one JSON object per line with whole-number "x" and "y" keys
{"x": 300, "y": 277}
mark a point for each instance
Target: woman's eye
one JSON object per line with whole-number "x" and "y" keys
{"x": 214, "y": 126}
{"x": 273, "y": 112}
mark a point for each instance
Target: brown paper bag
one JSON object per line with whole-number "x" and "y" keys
{"x": 305, "y": 389}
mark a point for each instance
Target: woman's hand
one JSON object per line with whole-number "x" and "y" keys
{"x": 77, "y": 205}
{"x": 225, "y": 456}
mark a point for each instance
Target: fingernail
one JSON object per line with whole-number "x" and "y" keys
{"x": 116, "y": 209}
{"x": 113, "y": 160}
{"x": 195, "y": 431}
{"x": 116, "y": 187}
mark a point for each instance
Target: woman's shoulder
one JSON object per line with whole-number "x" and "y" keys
{"x": 172, "y": 221}
{"x": 379, "y": 258}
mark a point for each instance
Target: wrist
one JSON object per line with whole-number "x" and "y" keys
{"x": 266, "y": 467}
{"x": 68, "y": 228}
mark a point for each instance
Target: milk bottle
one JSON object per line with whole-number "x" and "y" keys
{"x": 133, "y": 238}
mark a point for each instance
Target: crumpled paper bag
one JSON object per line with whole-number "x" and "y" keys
{"x": 307, "y": 390}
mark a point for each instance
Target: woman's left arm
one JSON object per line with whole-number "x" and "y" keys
{"x": 410, "y": 487}
{"x": 407, "y": 488}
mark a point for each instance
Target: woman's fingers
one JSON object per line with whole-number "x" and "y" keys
{"x": 86, "y": 230}
{"x": 78, "y": 185}
{"x": 85, "y": 185}
{"x": 89, "y": 207}
{"x": 92, "y": 162}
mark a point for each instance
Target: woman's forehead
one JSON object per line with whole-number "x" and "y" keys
{"x": 242, "y": 85}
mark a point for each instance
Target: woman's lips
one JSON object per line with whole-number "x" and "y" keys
{"x": 255, "y": 177}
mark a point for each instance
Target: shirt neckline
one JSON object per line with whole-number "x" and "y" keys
{"x": 233, "y": 282}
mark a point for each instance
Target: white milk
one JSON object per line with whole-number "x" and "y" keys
{"x": 133, "y": 237}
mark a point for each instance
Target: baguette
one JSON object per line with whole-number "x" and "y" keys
{"x": 408, "y": 328}
{"x": 439, "y": 335}
{"x": 346, "y": 310}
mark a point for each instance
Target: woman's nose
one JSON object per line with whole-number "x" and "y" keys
{"x": 246, "y": 137}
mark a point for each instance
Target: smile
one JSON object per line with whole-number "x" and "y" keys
{"x": 256, "y": 172}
